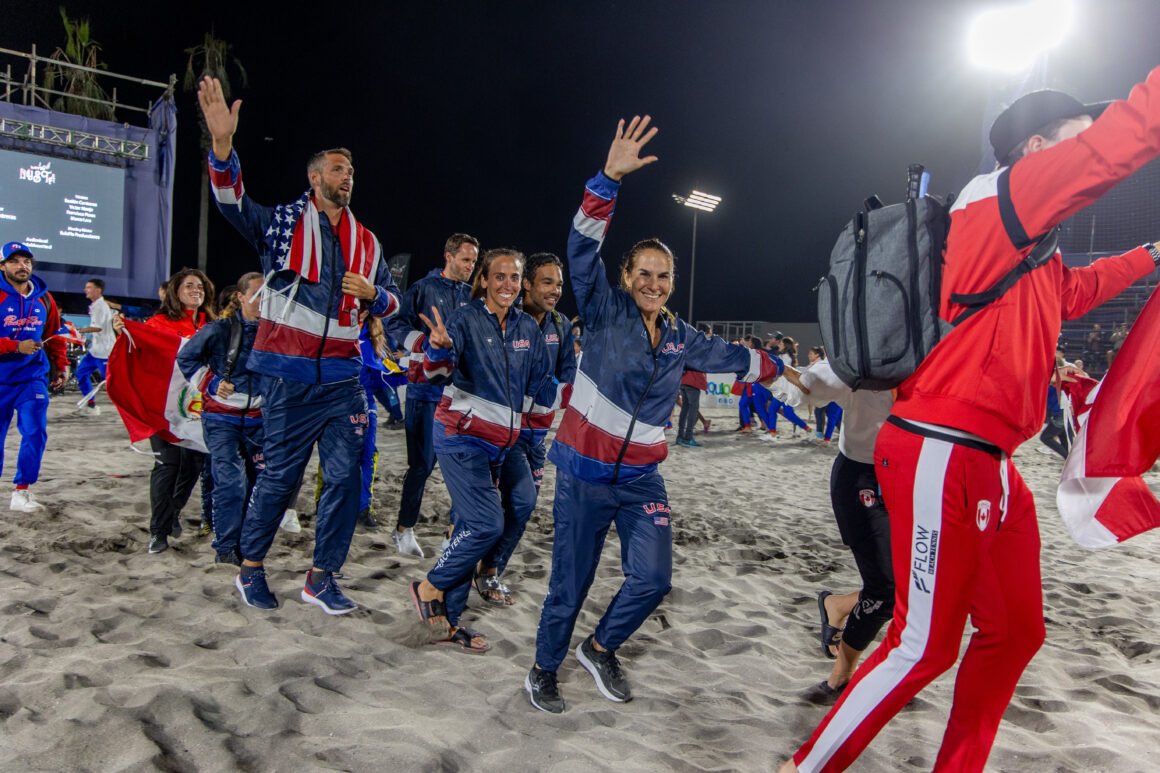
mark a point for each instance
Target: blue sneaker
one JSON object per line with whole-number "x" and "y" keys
{"x": 327, "y": 595}
{"x": 694, "y": 444}
{"x": 255, "y": 592}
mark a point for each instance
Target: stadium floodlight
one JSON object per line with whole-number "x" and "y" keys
{"x": 1011, "y": 38}
{"x": 698, "y": 201}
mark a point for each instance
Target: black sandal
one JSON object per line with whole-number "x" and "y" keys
{"x": 462, "y": 639}
{"x": 485, "y": 583}
{"x": 831, "y": 636}
{"x": 427, "y": 609}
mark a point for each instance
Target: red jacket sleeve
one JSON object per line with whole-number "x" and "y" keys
{"x": 1049, "y": 186}
{"x": 1085, "y": 288}
{"x": 54, "y": 347}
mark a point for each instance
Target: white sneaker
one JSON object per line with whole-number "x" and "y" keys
{"x": 22, "y": 502}
{"x": 290, "y": 521}
{"x": 89, "y": 410}
{"x": 406, "y": 543}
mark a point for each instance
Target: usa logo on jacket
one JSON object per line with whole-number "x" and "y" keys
{"x": 671, "y": 348}
{"x": 521, "y": 343}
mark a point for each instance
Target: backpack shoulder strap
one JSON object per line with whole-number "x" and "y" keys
{"x": 236, "y": 330}
{"x": 1044, "y": 250}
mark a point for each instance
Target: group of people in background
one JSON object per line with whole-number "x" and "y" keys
{"x": 295, "y": 359}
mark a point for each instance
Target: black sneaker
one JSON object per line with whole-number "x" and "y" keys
{"x": 228, "y": 557}
{"x": 605, "y": 669}
{"x": 366, "y": 519}
{"x": 158, "y": 543}
{"x": 175, "y": 529}
{"x": 543, "y": 691}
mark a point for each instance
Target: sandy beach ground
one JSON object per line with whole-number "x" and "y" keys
{"x": 113, "y": 659}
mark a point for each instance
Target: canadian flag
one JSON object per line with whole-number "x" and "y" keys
{"x": 148, "y": 389}
{"x": 1102, "y": 497}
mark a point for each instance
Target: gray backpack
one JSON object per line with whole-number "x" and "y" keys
{"x": 878, "y": 307}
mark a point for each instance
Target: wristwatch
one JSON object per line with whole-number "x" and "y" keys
{"x": 1154, "y": 251}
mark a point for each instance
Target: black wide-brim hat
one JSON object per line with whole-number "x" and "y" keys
{"x": 1031, "y": 112}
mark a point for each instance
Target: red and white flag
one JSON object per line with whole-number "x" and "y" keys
{"x": 148, "y": 389}
{"x": 69, "y": 334}
{"x": 1102, "y": 497}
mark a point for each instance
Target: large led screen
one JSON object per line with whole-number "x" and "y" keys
{"x": 67, "y": 212}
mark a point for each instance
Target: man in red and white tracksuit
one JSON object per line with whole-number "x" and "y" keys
{"x": 965, "y": 539}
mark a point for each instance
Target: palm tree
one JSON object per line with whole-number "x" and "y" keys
{"x": 211, "y": 58}
{"x": 81, "y": 85}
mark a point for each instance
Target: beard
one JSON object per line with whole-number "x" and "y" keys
{"x": 333, "y": 193}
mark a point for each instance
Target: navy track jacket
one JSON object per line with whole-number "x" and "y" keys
{"x": 614, "y": 426}
{"x": 493, "y": 377}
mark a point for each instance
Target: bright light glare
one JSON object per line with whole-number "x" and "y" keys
{"x": 1011, "y": 38}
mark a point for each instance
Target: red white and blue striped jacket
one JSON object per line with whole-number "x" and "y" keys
{"x": 613, "y": 429}
{"x": 203, "y": 361}
{"x": 300, "y": 336}
{"x": 493, "y": 379}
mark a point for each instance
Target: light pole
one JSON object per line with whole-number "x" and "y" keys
{"x": 698, "y": 202}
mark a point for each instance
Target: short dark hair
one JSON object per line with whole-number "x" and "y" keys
{"x": 541, "y": 259}
{"x": 1048, "y": 130}
{"x": 318, "y": 159}
{"x": 98, "y": 283}
{"x": 455, "y": 241}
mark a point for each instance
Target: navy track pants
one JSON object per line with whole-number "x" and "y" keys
{"x": 295, "y": 416}
{"x": 583, "y": 513}
{"x": 518, "y": 490}
{"x": 231, "y": 446}
{"x": 478, "y": 516}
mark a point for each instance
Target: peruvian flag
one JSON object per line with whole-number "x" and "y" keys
{"x": 148, "y": 389}
{"x": 1102, "y": 497}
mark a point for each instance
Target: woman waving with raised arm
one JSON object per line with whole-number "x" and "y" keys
{"x": 611, "y": 438}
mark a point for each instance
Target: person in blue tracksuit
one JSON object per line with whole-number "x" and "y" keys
{"x": 496, "y": 362}
{"x": 214, "y": 362}
{"x": 324, "y": 270}
{"x": 374, "y": 379}
{"x": 611, "y": 438}
{"x": 446, "y": 289}
{"x": 523, "y": 465}
{"x": 30, "y": 355}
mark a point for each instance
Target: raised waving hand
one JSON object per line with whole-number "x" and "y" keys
{"x": 624, "y": 154}
{"x": 221, "y": 119}
{"x": 438, "y": 337}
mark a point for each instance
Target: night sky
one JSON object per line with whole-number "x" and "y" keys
{"x": 487, "y": 117}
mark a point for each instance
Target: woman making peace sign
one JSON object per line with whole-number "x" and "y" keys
{"x": 493, "y": 358}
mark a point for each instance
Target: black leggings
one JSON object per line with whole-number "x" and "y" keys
{"x": 175, "y": 472}
{"x": 1054, "y": 435}
{"x": 865, "y": 528}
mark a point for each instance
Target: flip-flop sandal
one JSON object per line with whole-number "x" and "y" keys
{"x": 831, "y": 636}
{"x": 427, "y": 609}
{"x": 490, "y": 582}
{"x": 463, "y": 637}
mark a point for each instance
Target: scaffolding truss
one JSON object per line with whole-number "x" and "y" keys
{"x": 25, "y": 90}
{"x": 73, "y": 139}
